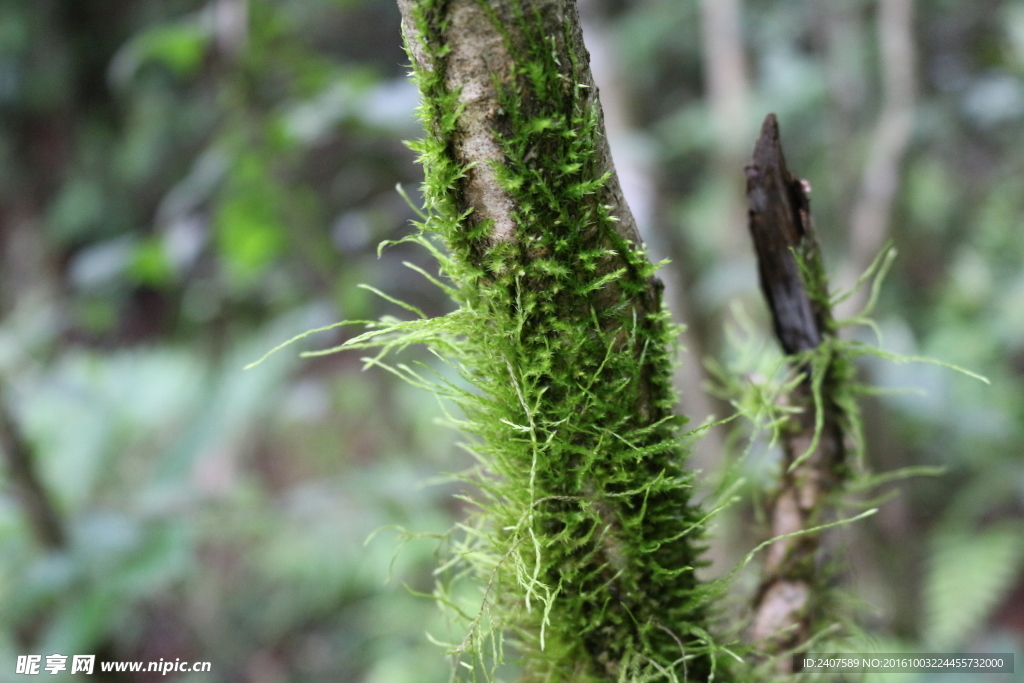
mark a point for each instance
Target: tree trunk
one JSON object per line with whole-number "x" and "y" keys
{"x": 590, "y": 529}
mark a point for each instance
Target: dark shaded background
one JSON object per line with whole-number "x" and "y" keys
{"x": 185, "y": 184}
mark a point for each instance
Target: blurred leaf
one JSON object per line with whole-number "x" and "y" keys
{"x": 81, "y": 621}
{"x": 14, "y": 29}
{"x": 180, "y": 47}
{"x": 968, "y": 575}
{"x": 247, "y": 223}
{"x": 98, "y": 315}
{"x": 77, "y": 210}
{"x": 1013, "y": 24}
{"x": 994, "y": 99}
{"x": 1009, "y": 322}
{"x": 998, "y": 222}
{"x": 150, "y": 265}
{"x": 146, "y": 140}
{"x": 930, "y": 194}
{"x": 163, "y": 555}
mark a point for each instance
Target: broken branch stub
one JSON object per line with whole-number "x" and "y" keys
{"x": 780, "y": 224}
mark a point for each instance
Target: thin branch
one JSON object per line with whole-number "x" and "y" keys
{"x": 21, "y": 470}
{"x": 727, "y": 92}
{"x": 880, "y": 183}
{"x": 725, "y": 73}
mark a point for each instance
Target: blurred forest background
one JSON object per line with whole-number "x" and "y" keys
{"x": 186, "y": 183}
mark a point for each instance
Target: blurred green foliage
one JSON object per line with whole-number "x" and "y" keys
{"x": 185, "y": 183}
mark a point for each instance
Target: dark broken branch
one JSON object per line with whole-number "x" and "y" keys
{"x": 780, "y": 223}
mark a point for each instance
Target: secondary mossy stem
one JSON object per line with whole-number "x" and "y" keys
{"x": 788, "y": 604}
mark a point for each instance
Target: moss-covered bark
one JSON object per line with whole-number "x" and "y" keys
{"x": 588, "y": 539}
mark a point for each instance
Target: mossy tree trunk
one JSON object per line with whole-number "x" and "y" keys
{"x": 593, "y": 537}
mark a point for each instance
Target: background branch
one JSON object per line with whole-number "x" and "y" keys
{"x": 36, "y": 503}
{"x": 880, "y": 182}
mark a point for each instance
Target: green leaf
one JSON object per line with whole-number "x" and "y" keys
{"x": 247, "y": 222}
{"x": 180, "y": 47}
{"x": 969, "y": 574}
{"x": 77, "y": 211}
{"x": 150, "y": 265}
